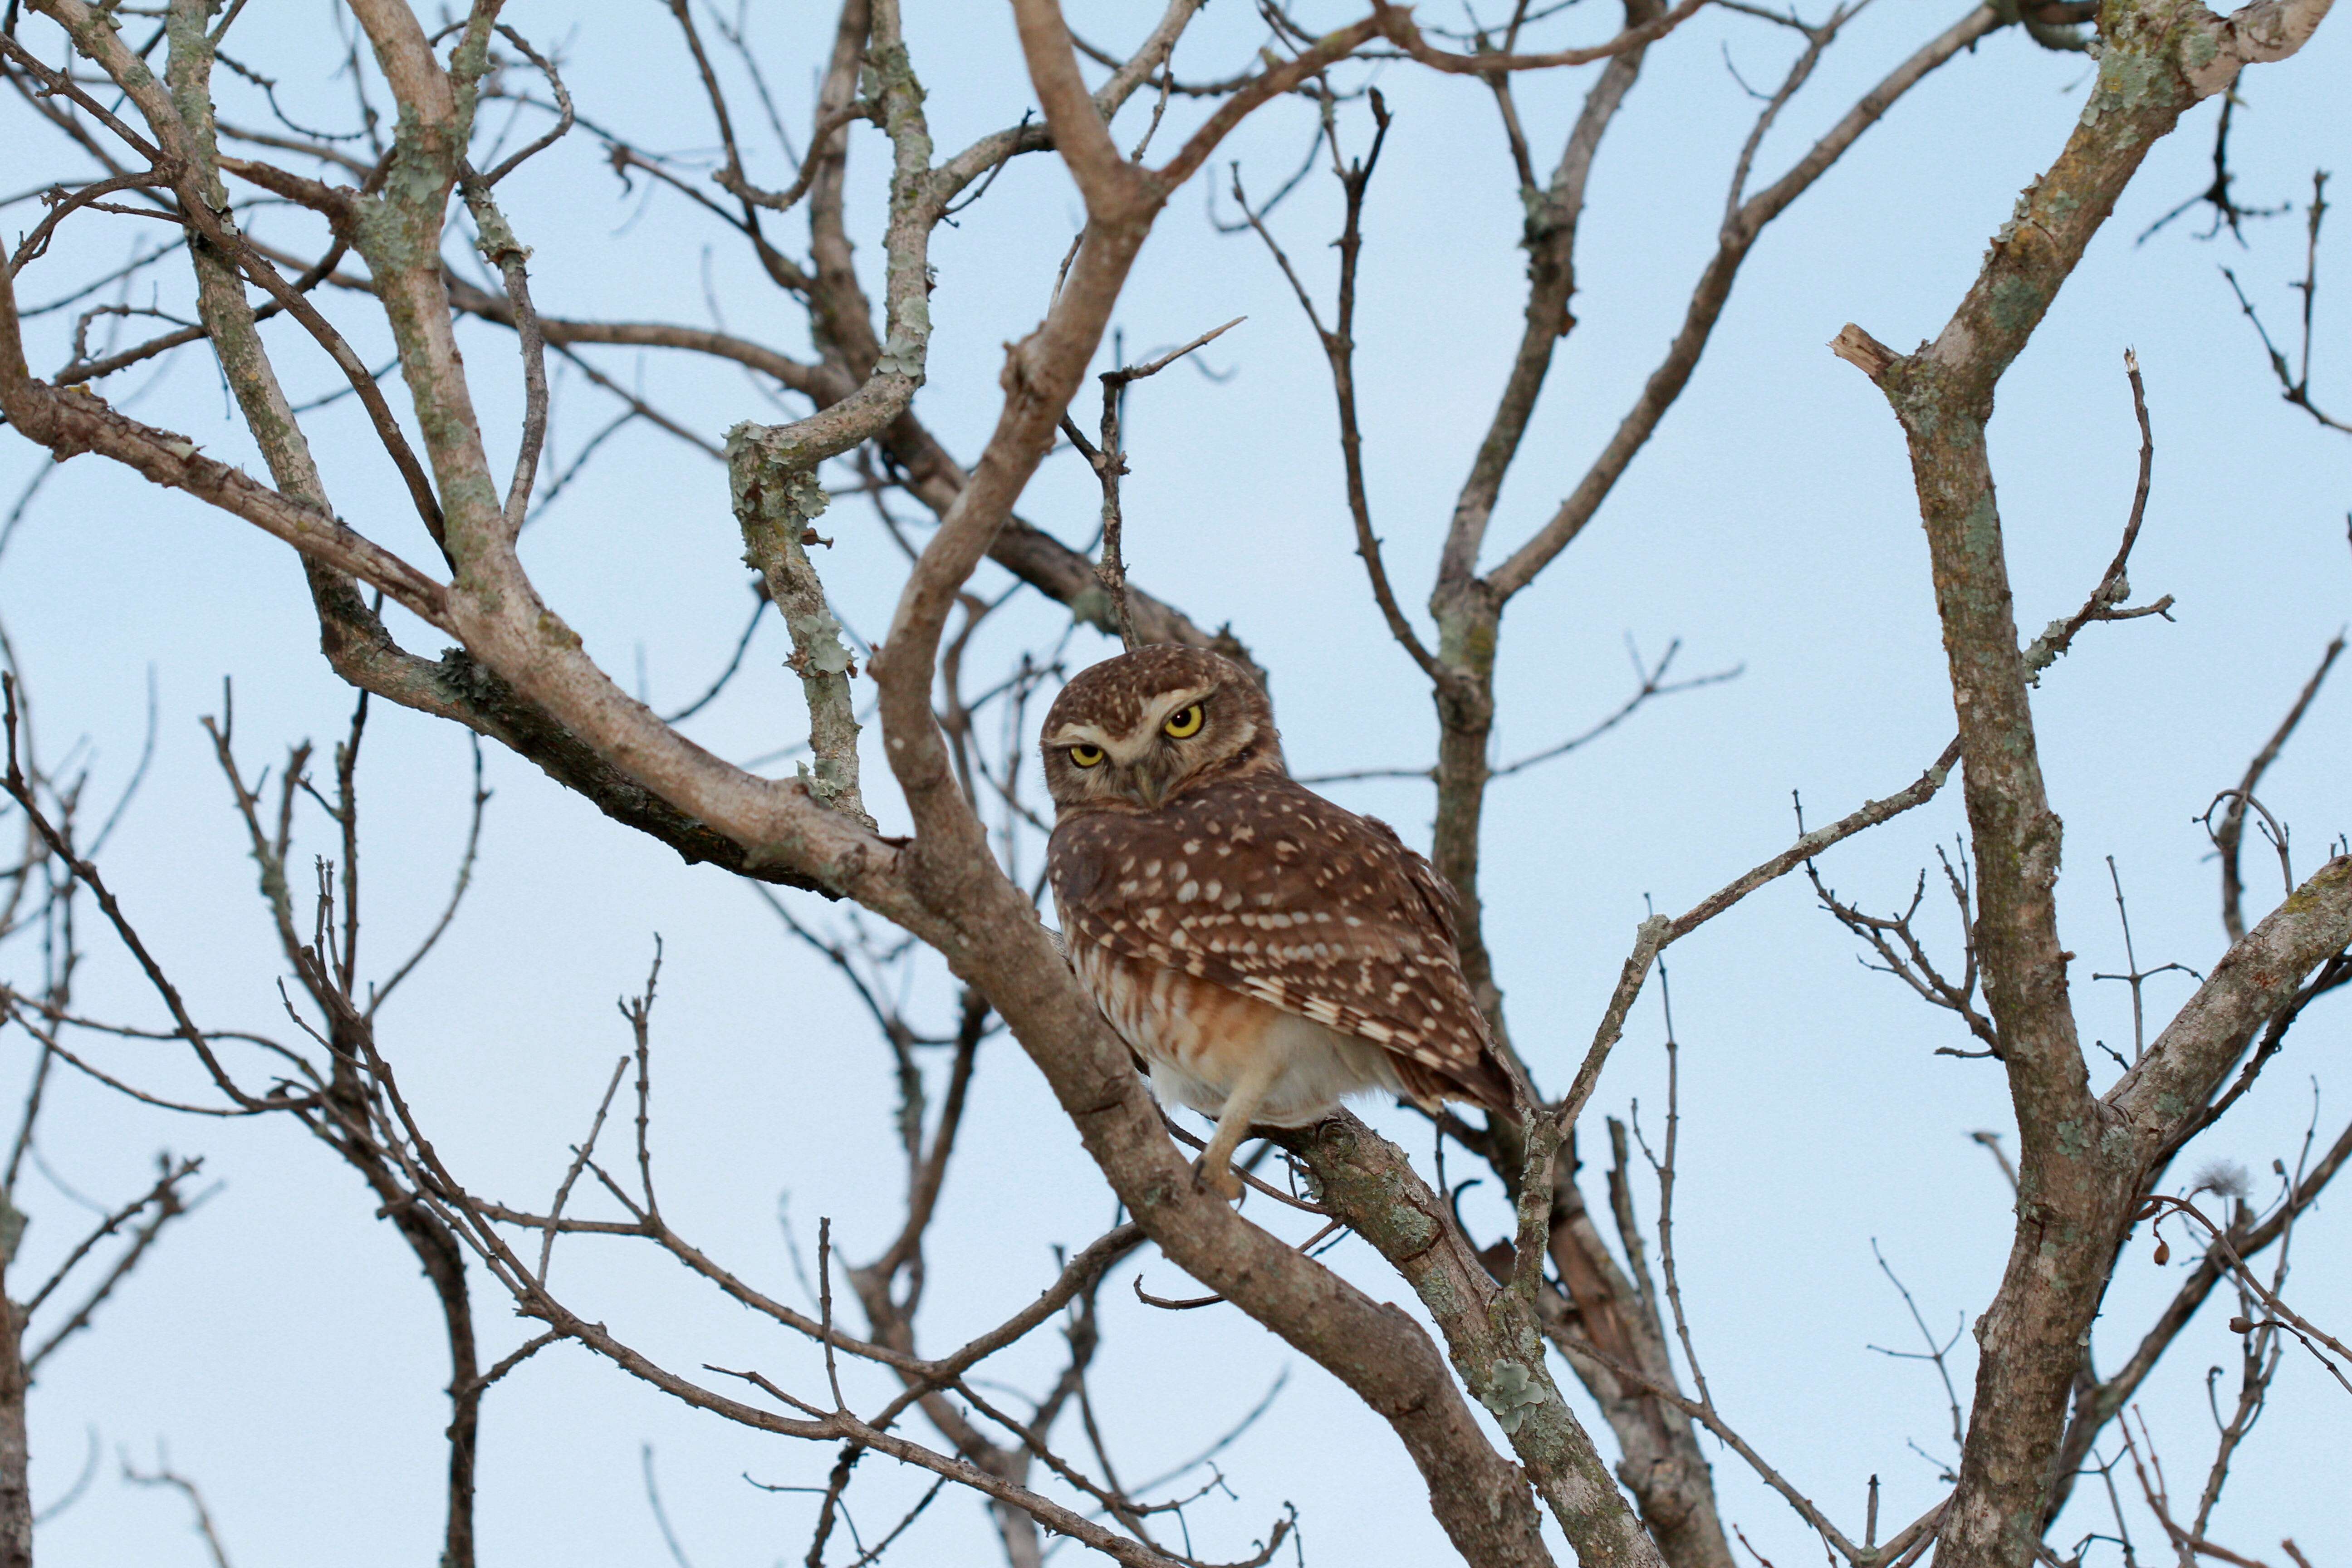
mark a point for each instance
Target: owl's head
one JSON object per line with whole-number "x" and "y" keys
{"x": 1136, "y": 731}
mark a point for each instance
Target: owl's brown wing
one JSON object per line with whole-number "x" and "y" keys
{"x": 1266, "y": 887}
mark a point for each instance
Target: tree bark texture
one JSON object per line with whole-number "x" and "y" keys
{"x": 2080, "y": 1159}
{"x": 15, "y": 1453}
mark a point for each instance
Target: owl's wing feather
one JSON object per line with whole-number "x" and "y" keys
{"x": 1262, "y": 885}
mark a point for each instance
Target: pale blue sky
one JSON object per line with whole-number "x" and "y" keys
{"x": 281, "y": 1343}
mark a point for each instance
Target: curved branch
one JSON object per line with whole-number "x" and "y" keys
{"x": 1396, "y": 25}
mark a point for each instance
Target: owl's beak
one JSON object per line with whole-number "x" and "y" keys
{"x": 1149, "y": 786}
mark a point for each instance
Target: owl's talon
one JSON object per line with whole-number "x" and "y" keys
{"x": 1222, "y": 1181}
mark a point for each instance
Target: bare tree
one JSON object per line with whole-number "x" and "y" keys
{"x": 1479, "y": 1407}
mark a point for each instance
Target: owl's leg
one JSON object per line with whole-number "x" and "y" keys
{"x": 1215, "y": 1168}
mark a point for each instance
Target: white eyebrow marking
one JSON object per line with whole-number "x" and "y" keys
{"x": 1173, "y": 702}
{"x": 1134, "y": 746}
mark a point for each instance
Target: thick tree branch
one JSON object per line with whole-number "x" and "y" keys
{"x": 2081, "y": 1158}
{"x": 2098, "y": 1405}
{"x": 1491, "y": 1333}
{"x": 2166, "y": 1090}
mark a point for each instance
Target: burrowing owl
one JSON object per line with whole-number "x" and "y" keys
{"x": 1266, "y": 952}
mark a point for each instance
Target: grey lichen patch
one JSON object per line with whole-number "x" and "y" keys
{"x": 1378, "y": 1198}
{"x": 2198, "y": 50}
{"x": 1413, "y": 1232}
{"x": 468, "y": 63}
{"x": 417, "y": 176}
{"x": 1512, "y": 1394}
{"x": 820, "y": 648}
{"x": 2129, "y": 79}
{"x": 2073, "y": 1138}
{"x": 221, "y": 303}
{"x": 189, "y": 71}
{"x": 469, "y": 496}
{"x": 399, "y": 229}
{"x": 2021, "y": 212}
{"x": 831, "y": 781}
{"x": 1438, "y": 1294}
{"x": 1090, "y": 606}
{"x": 776, "y": 497}
{"x": 1467, "y": 640}
{"x": 1979, "y": 533}
{"x": 909, "y": 343}
{"x": 494, "y": 237}
{"x": 1541, "y": 216}
{"x": 773, "y": 478}
{"x": 380, "y": 231}
{"x": 2016, "y": 304}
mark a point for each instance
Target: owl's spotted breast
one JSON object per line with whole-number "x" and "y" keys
{"x": 1257, "y": 885}
{"x": 1201, "y": 1041}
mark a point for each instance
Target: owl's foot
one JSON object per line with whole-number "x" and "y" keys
{"x": 1220, "y": 1178}
{"x": 1215, "y": 1169}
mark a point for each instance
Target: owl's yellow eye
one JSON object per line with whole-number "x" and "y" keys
{"x": 1184, "y": 725}
{"x": 1086, "y": 756}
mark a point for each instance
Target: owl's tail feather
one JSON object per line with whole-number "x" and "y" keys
{"x": 1484, "y": 1082}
